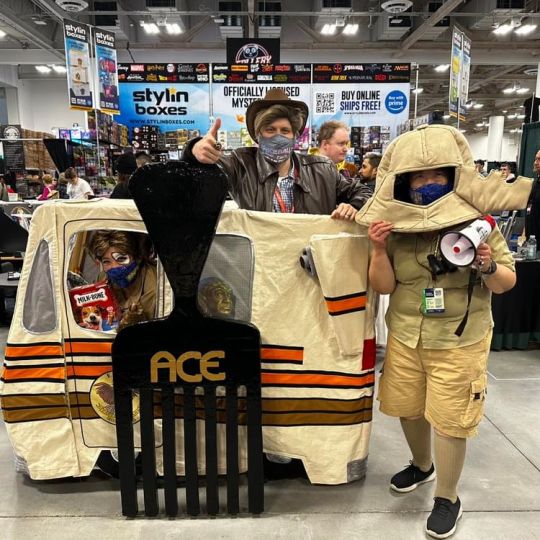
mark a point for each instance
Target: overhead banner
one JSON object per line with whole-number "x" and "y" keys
{"x": 234, "y": 87}
{"x": 372, "y": 99}
{"x": 459, "y": 73}
{"x": 164, "y": 105}
{"x": 252, "y": 51}
{"x": 77, "y": 43}
{"x": 106, "y": 70}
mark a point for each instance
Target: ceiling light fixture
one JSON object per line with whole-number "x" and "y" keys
{"x": 503, "y": 29}
{"x": 58, "y": 68}
{"x": 509, "y": 90}
{"x": 478, "y": 105}
{"x": 520, "y": 116}
{"x": 150, "y": 28}
{"x": 469, "y": 104}
{"x": 43, "y": 69}
{"x": 525, "y": 30}
{"x": 173, "y": 28}
{"x": 442, "y": 68}
{"x": 446, "y": 117}
{"x": 328, "y": 29}
{"x": 350, "y": 29}
{"x": 2, "y": 34}
{"x": 418, "y": 90}
{"x": 522, "y": 90}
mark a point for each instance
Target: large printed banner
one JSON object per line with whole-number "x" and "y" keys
{"x": 106, "y": 70}
{"x": 459, "y": 73}
{"x": 372, "y": 99}
{"x": 164, "y": 100}
{"x": 235, "y": 87}
{"x": 77, "y": 42}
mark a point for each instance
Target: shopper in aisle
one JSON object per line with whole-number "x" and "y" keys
{"x": 273, "y": 177}
{"x": 333, "y": 140}
{"x": 49, "y": 188}
{"x": 368, "y": 170}
{"x": 77, "y": 187}
{"x": 508, "y": 171}
{"x": 142, "y": 158}
{"x": 435, "y": 370}
{"x": 125, "y": 166}
{"x": 480, "y": 164}
{"x": 532, "y": 222}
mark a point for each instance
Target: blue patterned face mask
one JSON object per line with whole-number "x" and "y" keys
{"x": 123, "y": 276}
{"x": 429, "y": 193}
{"x": 276, "y": 149}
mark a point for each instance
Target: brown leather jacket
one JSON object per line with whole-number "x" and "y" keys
{"x": 319, "y": 187}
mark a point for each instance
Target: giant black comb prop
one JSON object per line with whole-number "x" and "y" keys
{"x": 177, "y": 364}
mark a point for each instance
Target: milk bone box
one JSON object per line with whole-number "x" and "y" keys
{"x": 94, "y": 306}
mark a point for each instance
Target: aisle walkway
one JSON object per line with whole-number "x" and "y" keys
{"x": 500, "y": 488}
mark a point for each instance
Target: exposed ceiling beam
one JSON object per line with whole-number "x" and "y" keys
{"x": 442, "y": 12}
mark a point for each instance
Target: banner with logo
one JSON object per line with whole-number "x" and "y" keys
{"x": 460, "y": 65}
{"x": 79, "y": 77}
{"x": 164, "y": 105}
{"x": 106, "y": 69}
{"x": 252, "y": 51}
{"x": 372, "y": 99}
{"x": 234, "y": 87}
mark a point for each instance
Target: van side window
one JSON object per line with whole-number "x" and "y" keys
{"x": 39, "y": 312}
{"x": 112, "y": 279}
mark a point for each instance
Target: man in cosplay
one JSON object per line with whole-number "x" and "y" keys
{"x": 272, "y": 177}
{"x": 130, "y": 274}
{"x": 434, "y": 373}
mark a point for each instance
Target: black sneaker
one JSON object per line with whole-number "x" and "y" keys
{"x": 411, "y": 477}
{"x": 442, "y": 521}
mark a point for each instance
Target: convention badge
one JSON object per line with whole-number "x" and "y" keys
{"x": 433, "y": 300}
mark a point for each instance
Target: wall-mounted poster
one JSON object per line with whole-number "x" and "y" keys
{"x": 372, "y": 99}
{"x": 77, "y": 43}
{"x": 234, "y": 87}
{"x": 106, "y": 71}
{"x": 164, "y": 105}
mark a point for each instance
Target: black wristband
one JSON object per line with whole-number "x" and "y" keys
{"x": 492, "y": 268}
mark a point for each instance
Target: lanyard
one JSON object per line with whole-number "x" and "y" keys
{"x": 281, "y": 202}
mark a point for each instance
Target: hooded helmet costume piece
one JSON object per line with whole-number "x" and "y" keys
{"x": 471, "y": 195}
{"x": 274, "y": 96}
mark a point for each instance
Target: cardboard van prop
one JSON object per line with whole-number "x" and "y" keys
{"x": 317, "y": 350}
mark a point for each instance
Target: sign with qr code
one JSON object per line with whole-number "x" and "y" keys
{"x": 325, "y": 103}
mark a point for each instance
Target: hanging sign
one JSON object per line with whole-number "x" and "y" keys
{"x": 13, "y": 148}
{"x": 77, "y": 43}
{"x": 460, "y": 65}
{"x": 106, "y": 70}
{"x": 252, "y": 51}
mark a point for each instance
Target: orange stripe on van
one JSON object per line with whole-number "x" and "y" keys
{"x": 283, "y": 354}
{"x": 346, "y": 304}
{"x": 34, "y": 373}
{"x": 92, "y": 347}
{"x": 13, "y": 351}
{"x": 88, "y": 371}
{"x": 316, "y": 379}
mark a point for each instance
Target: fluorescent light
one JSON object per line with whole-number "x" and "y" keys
{"x": 480, "y": 124}
{"x": 150, "y": 28}
{"x": 58, "y": 68}
{"x": 469, "y": 105}
{"x": 40, "y": 22}
{"x": 478, "y": 105}
{"x": 504, "y": 112}
{"x": 418, "y": 90}
{"x": 328, "y": 29}
{"x": 520, "y": 116}
{"x": 173, "y": 28}
{"x": 446, "y": 117}
{"x": 463, "y": 130}
{"x": 503, "y": 29}
{"x": 511, "y": 116}
{"x": 43, "y": 69}
{"x": 2, "y": 34}
{"x": 350, "y": 29}
{"x": 522, "y": 90}
{"x": 219, "y": 20}
{"x": 525, "y": 29}
{"x": 442, "y": 68}
{"x": 509, "y": 90}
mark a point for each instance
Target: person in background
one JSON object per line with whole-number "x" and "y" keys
{"x": 272, "y": 177}
{"x": 4, "y": 190}
{"x": 49, "y": 188}
{"x": 78, "y": 188}
{"x": 125, "y": 166}
{"x": 508, "y": 172}
{"x": 532, "y": 220}
{"x": 333, "y": 141}
{"x": 142, "y": 158}
{"x": 480, "y": 164}
{"x": 368, "y": 170}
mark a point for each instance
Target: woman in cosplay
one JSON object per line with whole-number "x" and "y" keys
{"x": 131, "y": 276}
{"x": 439, "y": 316}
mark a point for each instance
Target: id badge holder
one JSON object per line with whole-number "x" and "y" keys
{"x": 433, "y": 300}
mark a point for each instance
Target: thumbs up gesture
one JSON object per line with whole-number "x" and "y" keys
{"x": 208, "y": 150}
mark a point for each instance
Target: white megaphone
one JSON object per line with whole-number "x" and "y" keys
{"x": 459, "y": 247}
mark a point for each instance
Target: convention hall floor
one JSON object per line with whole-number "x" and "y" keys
{"x": 500, "y": 488}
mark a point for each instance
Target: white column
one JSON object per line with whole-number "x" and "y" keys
{"x": 495, "y": 138}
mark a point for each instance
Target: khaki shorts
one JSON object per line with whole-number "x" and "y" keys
{"x": 446, "y": 386}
